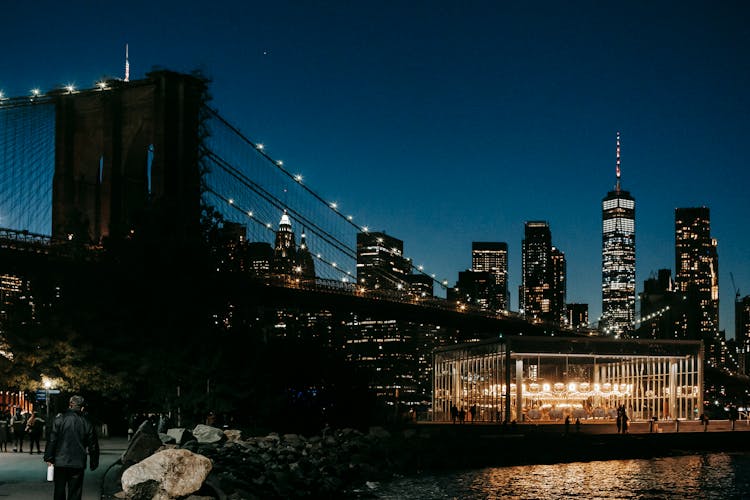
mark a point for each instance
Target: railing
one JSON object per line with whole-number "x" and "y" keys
{"x": 26, "y": 241}
{"x": 338, "y": 287}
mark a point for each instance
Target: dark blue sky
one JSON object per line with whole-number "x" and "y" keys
{"x": 447, "y": 122}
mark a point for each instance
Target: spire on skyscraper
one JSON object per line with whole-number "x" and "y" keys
{"x": 127, "y": 64}
{"x": 618, "y": 162}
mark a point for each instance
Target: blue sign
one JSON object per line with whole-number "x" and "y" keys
{"x": 41, "y": 394}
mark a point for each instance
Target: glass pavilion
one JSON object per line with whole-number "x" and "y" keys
{"x": 538, "y": 379}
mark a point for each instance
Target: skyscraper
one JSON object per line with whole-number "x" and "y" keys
{"x": 285, "y": 248}
{"x": 742, "y": 330}
{"x": 475, "y": 288}
{"x": 578, "y": 315}
{"x": 380, "y": 262}
{"x": 535, "y": 294}
{"x": 697, "y": 276}
{"x": 662, "y": 308}
{"x": 287, "y": 258}
{"x": 618, "y": 260}
{"x": 493, "y": 258}
{"x": 559, "y": 286}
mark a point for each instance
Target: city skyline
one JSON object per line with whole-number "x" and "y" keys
{"x": 444, "y": 125}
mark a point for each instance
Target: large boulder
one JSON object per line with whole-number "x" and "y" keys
{"x": 180, "y": 435}
{"x": 166, "y": 475}
{"x": 141, "y": 445}
{"x": 233, "y": 435}
{"x": 208, "y": 434}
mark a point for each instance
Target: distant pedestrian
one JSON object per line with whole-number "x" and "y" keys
{"x": 578, "y": 424}
{"x": 4, "y": 431}
{"x": 619, "y": 422}
{"x": 454, "y": 413}
{"x": 72, "y": 436}
{"x": 567, "y": 424}
{"x": 34, "y": 431}
{"x": 18, "y": 425}
{"x": 461, "y": 415}
{"x": 473, "y": 412}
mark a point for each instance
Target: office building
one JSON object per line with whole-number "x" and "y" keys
{"x": 697, "y": 277}
{"x": 662, "y": 309}
{"x": 285, "y": 248}
{"x": 541, "y": 296}
{"x": 381, "y": 264}
{"x": 742, "y": 331}
{"x": 577, "y": 316}
{"x": 492, "y": 257}
{"x": 618, "y": 260}
{"x": 559, "y": 286}
{"x": 474, "y": 288}
{"x": 419, "y": 285}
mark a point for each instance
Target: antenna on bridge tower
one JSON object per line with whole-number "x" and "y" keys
{"x": 127, "y": 64}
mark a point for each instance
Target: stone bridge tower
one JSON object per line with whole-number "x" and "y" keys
{"x": 127, "y": 157}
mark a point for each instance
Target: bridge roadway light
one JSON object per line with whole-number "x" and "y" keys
{"x": 297, "y": 177}
{"x": 36, "y": 92}
{"x": 101, "y": 85}
{"x": 70, "y": 88}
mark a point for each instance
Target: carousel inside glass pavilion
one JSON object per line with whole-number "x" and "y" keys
{"x": 545, "y": 379}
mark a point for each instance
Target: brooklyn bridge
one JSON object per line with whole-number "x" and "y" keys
{"x": 133, "y": 192}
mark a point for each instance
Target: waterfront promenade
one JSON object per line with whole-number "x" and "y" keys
{"x": 435, "y": 446}
{"x": 609, "y": 426}
{"x": 23, "y": 476}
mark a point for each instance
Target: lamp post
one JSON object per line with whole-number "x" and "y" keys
{"x": 47, "y": 387}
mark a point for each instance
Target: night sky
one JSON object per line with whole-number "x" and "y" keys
{"x": 448, "y": 122}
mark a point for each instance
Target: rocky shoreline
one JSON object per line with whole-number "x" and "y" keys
{"x": 349, "y": 463}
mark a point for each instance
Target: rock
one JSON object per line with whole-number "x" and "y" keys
{"x": 166, "y": 475}
{"x": 208, "y": 434}
{"x": 233, "y": 435}
{"x": 180, "y": 434}
{"x": 166, "y": 438}
{"x": 142, "y": 445}
{"x": 379, "y": 432}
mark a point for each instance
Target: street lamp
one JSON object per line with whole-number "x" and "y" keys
{"x": 47, "y": 386}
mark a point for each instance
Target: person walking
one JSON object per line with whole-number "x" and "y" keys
{"x": 34, "y": 426}
{"x": 4, "y": 431}
{"x": 18, "y": 425}
{"x": 72, "y": 436}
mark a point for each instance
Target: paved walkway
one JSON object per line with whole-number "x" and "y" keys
{"x": 23, "y": 476}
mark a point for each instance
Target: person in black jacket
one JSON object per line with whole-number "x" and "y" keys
{"x": 72, "y": 435}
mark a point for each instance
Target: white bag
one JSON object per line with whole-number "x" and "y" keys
{"x": 50, "y": 473}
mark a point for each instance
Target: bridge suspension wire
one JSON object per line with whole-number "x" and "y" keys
{"x": 27, "y": 163}
{"x": 242, "y": 213}
{"x": 296, "y": 186}
{"x": 245, "y": 190}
